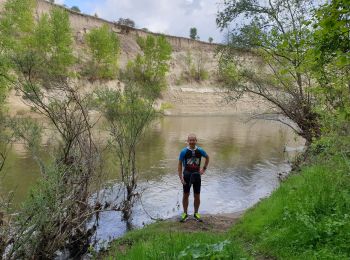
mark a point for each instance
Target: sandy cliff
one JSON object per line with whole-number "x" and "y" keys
{"x": 180, "y": 98}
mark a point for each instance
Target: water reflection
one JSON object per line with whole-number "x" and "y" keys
{"x": 245, "y": 160}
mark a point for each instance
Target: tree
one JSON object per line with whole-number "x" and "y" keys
{"x": 195, "y": 63}
{"x": 128, "y": 114}
{"x": 330, "y": 55}
{"x": 193, "y": 33}
{"x": 75, "y": 9}
{"x": 210, "y": 40}
{"x": 149, "y": 69}
{"x": 278, "y": 33}
{"x": 126, "y": 22}
{"x": 104, "y": 48}
{"x": 52, "y": 43}
{"x": 40, "y": 58}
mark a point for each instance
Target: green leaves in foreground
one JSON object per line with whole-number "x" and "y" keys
{"x": 206, "y": 251}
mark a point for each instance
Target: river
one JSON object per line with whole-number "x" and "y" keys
{"x": 245, "y": 159}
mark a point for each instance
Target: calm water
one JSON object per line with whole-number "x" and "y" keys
{"x": 245, "y": 160}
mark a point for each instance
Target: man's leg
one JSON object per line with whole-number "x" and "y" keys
{"x": 196, "y": 191}
{"x": 185, "y": 197}
{"x": 197, "y": 201}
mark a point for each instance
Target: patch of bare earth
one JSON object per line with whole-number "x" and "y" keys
{"x": 212, "y": 223}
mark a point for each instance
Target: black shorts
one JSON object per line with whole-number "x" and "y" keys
{"x": 194, "y": 179}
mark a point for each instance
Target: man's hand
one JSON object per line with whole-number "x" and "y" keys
{"x": 182, "y": 181}
{"x": 202, "y": 171}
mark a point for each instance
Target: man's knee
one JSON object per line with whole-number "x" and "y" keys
{"x": 197, "y": 195}
{"x": 186, "y": 195}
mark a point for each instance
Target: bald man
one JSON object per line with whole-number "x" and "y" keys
{"x": 190, "y": 162}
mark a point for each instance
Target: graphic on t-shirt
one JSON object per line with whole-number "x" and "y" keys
{"x": 191, "y": 158}
{"x": 193, "y": 163}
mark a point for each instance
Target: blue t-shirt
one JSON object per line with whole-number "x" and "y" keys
{"x": 191, "y": 159}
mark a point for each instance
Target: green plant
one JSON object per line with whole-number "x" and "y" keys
{"x": 206, "y": 251}
{"x": 195, "y": 63}
{"x": 104, "y": 47}
{"x": 128, "y": 115}
{"x": 149, "y": 69}
{"x": 278, "y": 35}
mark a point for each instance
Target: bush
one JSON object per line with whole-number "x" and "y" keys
{"x": 148, "y": 70}
{"x": 104, "y": 48}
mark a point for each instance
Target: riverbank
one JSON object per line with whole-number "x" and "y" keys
{"x": 307, "y": 217}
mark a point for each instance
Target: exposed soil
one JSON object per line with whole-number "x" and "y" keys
{"x": 212, "y": 223}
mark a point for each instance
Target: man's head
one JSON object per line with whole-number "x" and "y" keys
{"x": 192, "y": 140}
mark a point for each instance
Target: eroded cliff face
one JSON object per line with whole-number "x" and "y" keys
{"x": 181, "y": 97}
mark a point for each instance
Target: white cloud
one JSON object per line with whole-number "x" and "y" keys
{"x": 171, "y": 17}
{"x": 60, "y": 2}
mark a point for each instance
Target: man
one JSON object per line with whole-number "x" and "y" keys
{"x": 190, "y": 161}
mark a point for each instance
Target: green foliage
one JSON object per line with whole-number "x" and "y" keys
{"x": 210, "y": 39}
{"x": 51, "y": 43}
{"x": 149, "y": 70}
{"x": 206, "y": 251}
{"x": 42, "y": 216}
{"x": 128, "y": 115}
{"x": 193, "y": 33}
{"x": 16, "y": 24}
{"x": 160, "y": 241}
{"x": 126, "y": 22}
{"x": 104, "y": 47}
{"x": 308, "y": 216}
{"x": 75, "y": 9}
{"x": 330, "y": 58}
{"x": 278, "y": 35}
{"x": 195, "y": 67}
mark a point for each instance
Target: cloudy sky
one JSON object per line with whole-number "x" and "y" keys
{"x": 174, "y": 17}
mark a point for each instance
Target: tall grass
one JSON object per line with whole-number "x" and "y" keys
{"x": 308, "y": 217}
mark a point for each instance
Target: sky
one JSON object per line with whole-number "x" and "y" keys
{"x": 174, "y": 17}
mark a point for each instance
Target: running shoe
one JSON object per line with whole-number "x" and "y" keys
{"x": 198, "y": 217}
{"x": 184, "y": 217}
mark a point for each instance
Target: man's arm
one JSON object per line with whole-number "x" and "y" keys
{"x": 205, "y": 165}
{"x": 179, "y": 170}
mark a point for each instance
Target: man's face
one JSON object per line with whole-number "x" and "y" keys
{"x": 192, "y": 141}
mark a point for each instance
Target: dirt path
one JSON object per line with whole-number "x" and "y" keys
{"x": 212, "y": 223}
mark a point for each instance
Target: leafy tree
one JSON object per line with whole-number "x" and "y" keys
{"x": 128, "y": 115}
{"x": 75, "y": 9}
{"x": 278, "y": 33}
{"x": 15, "y": 28}
{"x": 126, "y": 22}
{"x": 195, "y": 63}
{"x": 330, "y": 55}
{"x": 148, "y": 70}
{"x": 193, "y": 33}
{"x": 104, "y": 47}
{"x": 51, "y": 43}
{"x": 38, "y": 60}
{"x": 210, "y": 40}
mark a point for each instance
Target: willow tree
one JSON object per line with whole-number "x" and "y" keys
{"x": 128, "y": 114}
{"x": 104, "y": 48}
{"x": 39, "y": 61}
{"x": 149, "y": 68}
{"x": 278, "y": 33}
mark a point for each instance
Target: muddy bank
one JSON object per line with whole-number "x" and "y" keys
{"x": 211, "y": 223}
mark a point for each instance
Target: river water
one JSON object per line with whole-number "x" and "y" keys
{"x": 245, "y": 159}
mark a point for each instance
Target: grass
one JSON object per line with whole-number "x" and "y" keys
{"x": 307, "y": 217}
{"x": 158, "y": 241}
